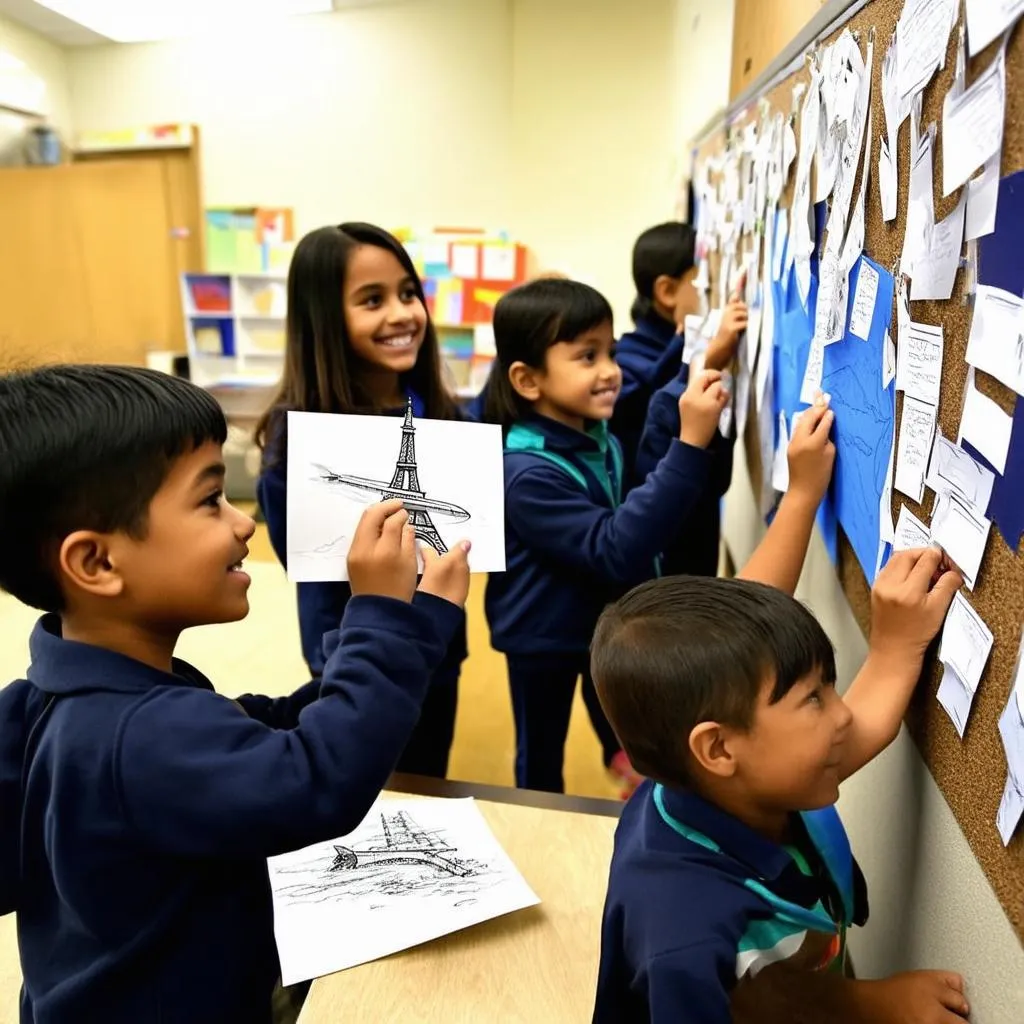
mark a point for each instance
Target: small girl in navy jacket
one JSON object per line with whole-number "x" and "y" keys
{"x": 359, "y": 340}
{"x": 572, "y": 543}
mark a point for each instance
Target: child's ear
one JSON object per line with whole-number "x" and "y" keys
{"x": 88, "y": 562}
{"x": 710, "y": 746}
{"x": 664, "y": 291}
{"x": 525, "y": 381}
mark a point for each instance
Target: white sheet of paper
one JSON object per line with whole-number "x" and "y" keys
{"x": 886, "y": 527}
{"x": 693, "y": 337}
{"x": 338, "y": 465}
{"x": 983, "y": 200}
{"x": 956, "y": 697}
{"x": 952, "y": 469}
{"x": 780, "y": 464}
{"x": 923, "y": 32}
{"x": 888, "y": 184}
{"x": 962, "y": 533}
{"x": 766, "y": 432}
{"x": 414, "y": 870}
{"x": 888, "y": 361}
{"x": 499, "y": 263}
{"x": 466, "y": 261}
{"x": 966, "y": 642}
{"x": 917, "y": 427}
{"x": 910, "y": 532}
{"x": 1011, "y": 731}
{"x": 935, "y": 267}
{"x": 985, "y": 425}
{"x": 986, "y": 19}
{"x": 919, "y": 362}
{"x": 743, "y": 380}
{"x": 920, "y": 202}
{"x": 484, "y": 343}
{"x": 779, "y": 247}
{"x": 864, "y": 301}
{"x": 996, "y": 343}
{"x": 972, "y": 125}
{"x": 764, "y": 368}
{"x": 813, "y": 371}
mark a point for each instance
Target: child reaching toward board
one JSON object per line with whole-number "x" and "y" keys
{"x": 359, "y": 340}
{"x": 572, "y": 543}
{"x": 139, "y": 806}
{"x": 732, "y": 883}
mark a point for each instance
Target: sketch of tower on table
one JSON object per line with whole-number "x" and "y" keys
{"x": 405, "y": 485}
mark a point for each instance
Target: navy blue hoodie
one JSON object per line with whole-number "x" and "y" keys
{"x": 694, "y": 551}
{"x": 570, "y": 547}
{"x": 649, "y": 356}
{"x": 321, "y": 605}
{"x": 139, "y": 807}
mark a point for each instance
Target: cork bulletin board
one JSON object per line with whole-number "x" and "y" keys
{"x": 970, "y": 773}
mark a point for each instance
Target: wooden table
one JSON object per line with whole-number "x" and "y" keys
{"x": 537, "y": 966}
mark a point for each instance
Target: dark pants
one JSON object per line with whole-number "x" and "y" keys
{"x": 428, "y": 748}
{"x": 542, "y": 691}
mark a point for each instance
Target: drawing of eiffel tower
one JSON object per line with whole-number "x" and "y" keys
{"x": 406, "y": 481}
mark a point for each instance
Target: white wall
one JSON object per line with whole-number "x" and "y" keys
{"x": 931, "y": 905}
{"x": 397, "y": 114}
{"x": 49, "y": 63}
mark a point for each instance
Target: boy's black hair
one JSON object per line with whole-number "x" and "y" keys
{"x": 86, "y": 448}
{"x": 528, "y": 321}
{"x": 683, "y": 650}
{"x": 668, "y": 250}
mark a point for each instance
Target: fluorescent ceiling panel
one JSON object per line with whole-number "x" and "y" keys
{"x": 136, "y": 21}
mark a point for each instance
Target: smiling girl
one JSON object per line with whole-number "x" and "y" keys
{"x": 359, "y": 341}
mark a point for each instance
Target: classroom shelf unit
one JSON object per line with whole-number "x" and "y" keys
{"x": 235, "y": 327}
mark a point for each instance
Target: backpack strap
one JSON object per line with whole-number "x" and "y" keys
{"x": 522, "y": 438}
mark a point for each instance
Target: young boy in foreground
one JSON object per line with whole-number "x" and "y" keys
{"x": 732, "y": 882}
{"x": 138, "y": 805}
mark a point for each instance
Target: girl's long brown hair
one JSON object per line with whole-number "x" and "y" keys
{"x": 319, "y": 372}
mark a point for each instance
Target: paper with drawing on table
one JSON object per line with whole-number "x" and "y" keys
{"x": 986, "y": 19}
{"x": 910, "y": 532}
{"x": 952, "y": 469}
{"x": 984, "y": 425}
{"x": 449, "y": 475}
{"x": 996, "y": 342}
{"x": 972, "y": 125}
{"x": 917, "y": 427}
{"x": 1011, "y": 731}
{"x": 919, "y": 362}
{"x": 962, "y": 532}
{"x": 964, "y": 652}
{"x": 414, "y": 870}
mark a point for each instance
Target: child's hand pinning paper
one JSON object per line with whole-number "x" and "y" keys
{"x": 447, "y": 576}
{"x": 917, "y": 997}
{"x": 909, "y": 602}
{"x": 811, "y": 453}
{"x": 700, "y": 408}
{"x": 382, "y": 559}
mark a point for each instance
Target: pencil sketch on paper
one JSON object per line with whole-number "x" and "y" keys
{"x": 414, "y": 870}
{"x": 401, "y": 859}
{"x": 404, "y": 484}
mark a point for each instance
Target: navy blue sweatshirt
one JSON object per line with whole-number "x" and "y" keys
{"x": 570, "y": 547}
{"x": 649, "y": 356}
{"x": 321, "y": 605}
{"x": 694, "y": 551}
{"x": 134, "y": 855}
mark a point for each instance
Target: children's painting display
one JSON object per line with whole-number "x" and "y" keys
{"x": 414, "y": 870}
{"x": 449, "y": 476}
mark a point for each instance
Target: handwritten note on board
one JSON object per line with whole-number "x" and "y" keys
{"x": 972, "y": 125}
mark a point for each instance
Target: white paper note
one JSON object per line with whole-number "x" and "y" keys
{"x": 920, "y": 202}
{"x": 952, "y": 469}
{"x": 956, "y": 697}
{"x": 780, "y": 464}
{"x": 466, "y": 261}
{"x": 972, "y": 125}
{"x": 813, "y": 372}
{"x": 983, "y": 200}
{"x": 886, "y": 527}
{"x": 923, "y": 32}
{"x": 1011, "y": 731}
{"x": 996, "y": 343}
{"x": 414, "y": 870}
{"x": 986, "y": 19}
{"x": 917, "y": 427}
{"x": 864, "y": 301}
{"x": 985, "y": 425}
{"x": 499, "y": 263}
{"x": 962, "y": 533}
{"x": 779, "y": 246}
{"x": 910, "y": 532}
{"x": 936, "y": 265}
{"x": 919, "y": 362}
{"x": 887, "y": 182}
{"x": 966, "y": 642}
{"x": 888, "y": 361}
